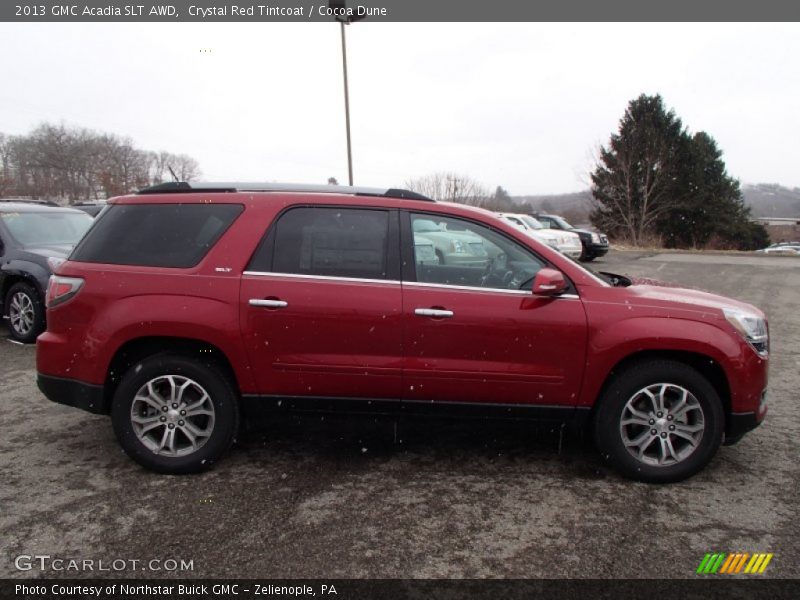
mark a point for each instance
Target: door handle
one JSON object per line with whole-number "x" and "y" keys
{"x": 268, "y": 303}
{"x": 434, "y": 312}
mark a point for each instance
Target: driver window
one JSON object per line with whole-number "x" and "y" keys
{"x": 451, "y": 251}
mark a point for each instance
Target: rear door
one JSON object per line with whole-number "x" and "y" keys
{"x": 321, "y": 305}
{"x": 474, "y": 332}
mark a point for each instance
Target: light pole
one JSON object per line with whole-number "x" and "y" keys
{"x": 342, "y": 23}
{"x": 340, "y": 12}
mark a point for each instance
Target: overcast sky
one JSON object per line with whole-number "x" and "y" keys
{"x": 519, "y": 105}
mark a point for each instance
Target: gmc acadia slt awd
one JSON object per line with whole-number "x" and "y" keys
{"x": 184, "y": 306}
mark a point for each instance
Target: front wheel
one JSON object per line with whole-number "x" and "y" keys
{"x": 174, "y": 414}
{"x": 659, "y": 421}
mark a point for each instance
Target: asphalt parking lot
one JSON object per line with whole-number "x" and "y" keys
{"x": 345, "y": 499}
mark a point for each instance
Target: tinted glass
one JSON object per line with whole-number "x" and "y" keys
{"x": 156, "y": 235}
{"x": 46, "y": 228}
{"x": 533, "y": 223}
{"x": 334, "y": 242}
{"x": 459, "y": 252}
{"x": 562, "y": 222}
{"x": 516, "y": 222}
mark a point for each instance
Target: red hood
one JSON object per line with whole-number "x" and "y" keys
{"x": 650, "y": 289}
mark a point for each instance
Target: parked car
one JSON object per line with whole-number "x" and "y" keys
{"x": 39, "y": 202}
{"x": 594, "y": 244}
{"x": 789, "y": 248}
{"x": 565, "y": 242}
{"x": 194, "y": 307}
{"x": 425, "y": 251}
{"x": 31, "y": 235}
{"x": 90, "y": 208}
{"x": 451, "y": 247}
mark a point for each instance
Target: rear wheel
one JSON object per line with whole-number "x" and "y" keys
{"x": 24, "y": 312}
{"x": 174, "y": 414}
{"x": 659, "y": 421}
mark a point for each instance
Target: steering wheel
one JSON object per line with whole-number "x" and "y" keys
{"x": 497, "y": 269}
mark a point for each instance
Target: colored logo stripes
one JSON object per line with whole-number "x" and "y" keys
{"x": 737, "y": 562}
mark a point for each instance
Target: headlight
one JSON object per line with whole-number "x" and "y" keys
{"x": 596, "y": 238}
{"x": 458, "y": 247}
{"x": 751, "y": 327}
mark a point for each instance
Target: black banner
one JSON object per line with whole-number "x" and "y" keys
{"x": 397, "y": 10}
{"x": 339, "y": 589}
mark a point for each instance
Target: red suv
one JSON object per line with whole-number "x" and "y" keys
{"x": 184, "y": 308}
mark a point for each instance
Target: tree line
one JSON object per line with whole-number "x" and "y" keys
{"x": 453, "y": 187}
{"x": 654, "y": 183}
{"x": 72, "y": 164}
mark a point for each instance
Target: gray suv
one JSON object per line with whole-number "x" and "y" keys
{"x": 30, "y": 235}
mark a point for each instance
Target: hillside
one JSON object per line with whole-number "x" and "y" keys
{"x": 574, "y": 207}
{"x": 772, "y": 200}
{"x": 765, "y": 200}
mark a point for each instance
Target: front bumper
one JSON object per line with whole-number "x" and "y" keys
{"x": 741, "y": 423}
{"x": 70, "y": 392}
{"x": 597, "y": 250}
{"x": 571, "y": 251}
{"x": 465, "y": 260}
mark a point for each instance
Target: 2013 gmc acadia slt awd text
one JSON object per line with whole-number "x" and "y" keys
{"x": 183, "y": 307}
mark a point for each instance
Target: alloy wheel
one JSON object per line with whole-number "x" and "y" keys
{"x": 662, "y": 424}
{"x": 172, "y": 415}
{"x": 21, "y": 313}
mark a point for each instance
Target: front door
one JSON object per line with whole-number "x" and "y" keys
{"x": 474, "y": 332}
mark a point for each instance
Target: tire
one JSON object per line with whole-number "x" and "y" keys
{"x": 649, "y": 430}
{"x": 24, "y": 312}
{"x": 589, "y": 258}
{"x": 205, "y": 408}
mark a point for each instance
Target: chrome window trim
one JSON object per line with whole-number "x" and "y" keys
{"x": 322, "y": 277}
{"x": 466, "y": 288}
{"x": 469, "y": 288}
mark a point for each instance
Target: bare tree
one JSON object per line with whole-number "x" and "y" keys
{"x": 450, "y": 187}
{"x": 6, "y": 177}
{"x": 185, "y": 167}
{"x": 73, "y": 164}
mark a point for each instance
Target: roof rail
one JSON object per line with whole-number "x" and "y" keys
{"x": 29, "y": 201}
{"x": 183, "y": 187}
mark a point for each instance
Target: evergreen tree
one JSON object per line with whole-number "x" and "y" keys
{"x": 712, "y": 207}
{"x": 633, "y": 183}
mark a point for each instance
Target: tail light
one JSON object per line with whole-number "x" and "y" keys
{"x": 60, "y": 289}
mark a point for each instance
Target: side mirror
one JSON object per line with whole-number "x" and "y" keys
{"x": 549, "y": 282}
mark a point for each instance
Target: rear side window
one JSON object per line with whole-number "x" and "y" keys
{"x": 156, "y": 235}
{"x": 333, "y": 242}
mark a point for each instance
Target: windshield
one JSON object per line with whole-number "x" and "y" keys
{"x": 47, "y": 228}
{"x": 531, "y": 222}
{"x": 561, "y": 223}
